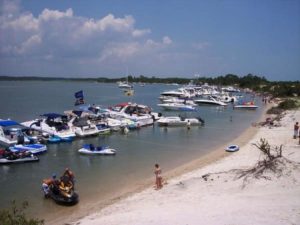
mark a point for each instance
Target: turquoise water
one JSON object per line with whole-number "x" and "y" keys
{"x": 137, "y": 152}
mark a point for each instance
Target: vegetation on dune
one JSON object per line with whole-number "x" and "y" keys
{"x": 16, "y": 216}
{"x": 286, "y": 104}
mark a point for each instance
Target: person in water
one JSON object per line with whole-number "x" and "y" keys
{"x": 158, "y": 177}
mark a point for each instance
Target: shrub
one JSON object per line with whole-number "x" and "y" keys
{"x": 275, "y": 110}
{"x": 287, "y": 104}
{"x": 16, "y": 216}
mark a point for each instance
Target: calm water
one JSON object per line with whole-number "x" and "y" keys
{"x": 138, "y": 151}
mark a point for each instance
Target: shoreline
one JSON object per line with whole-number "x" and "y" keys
{"x": 210, "y": 158}
{"x": 188, "y": 198}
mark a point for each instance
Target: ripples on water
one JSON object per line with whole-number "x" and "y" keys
{"x": 137, "y": 152}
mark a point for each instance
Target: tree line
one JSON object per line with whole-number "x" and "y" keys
{"x": 253, "y": 82}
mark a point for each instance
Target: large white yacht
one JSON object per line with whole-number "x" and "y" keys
{"x": 140, "y": 114}
{"x": 54, "y": 124}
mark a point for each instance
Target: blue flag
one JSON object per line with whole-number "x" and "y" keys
{"x": 79, "y": 98}
{"x": 79, "y": 94}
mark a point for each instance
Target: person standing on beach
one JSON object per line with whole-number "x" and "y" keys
{"x": 158, "y": 177}
{"x": 296, "y": 130}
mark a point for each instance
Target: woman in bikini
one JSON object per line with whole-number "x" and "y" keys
{"x": 158, "y": 177}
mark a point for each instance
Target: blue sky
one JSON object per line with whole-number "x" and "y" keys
{"x": 152, "y": 38}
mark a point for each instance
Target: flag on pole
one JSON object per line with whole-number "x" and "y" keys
{"x": 79, "y": 98}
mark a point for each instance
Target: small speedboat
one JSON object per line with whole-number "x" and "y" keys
{"x": 90, "y": 149}
{"x": 33, "y": 148}
{"x": 179, "y": 121}
{"x": 246, "y": 105}
{"x": 18, "y": 158}
{"x": 232, "y": 148}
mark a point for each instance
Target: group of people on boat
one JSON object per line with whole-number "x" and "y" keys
{"x": 4, "y": 153}
{"x": 54, "y": 185}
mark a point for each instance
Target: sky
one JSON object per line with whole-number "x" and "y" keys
{"x": 161, "y": 38}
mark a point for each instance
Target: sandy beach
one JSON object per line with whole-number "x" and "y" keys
{"x": 208, "y": 191}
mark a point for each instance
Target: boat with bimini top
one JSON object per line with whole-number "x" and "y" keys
{"x": 53, "y": 124}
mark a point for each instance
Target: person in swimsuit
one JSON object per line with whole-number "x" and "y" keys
{"x": 158, "y": 177}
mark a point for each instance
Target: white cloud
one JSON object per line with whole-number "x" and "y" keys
{"x": 167, "y": 40}
{"x": 75, "y": 43}
{"x": 201, "y": 45}
{"x": 48, "y": 14}
{"x": 140, "y": 33}
{"x": 24, "y": 22}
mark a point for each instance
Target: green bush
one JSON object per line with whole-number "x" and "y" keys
{"x": 275, "y": 110}
{"x": 16, "y": 216}
{"x": 288, "y": 104}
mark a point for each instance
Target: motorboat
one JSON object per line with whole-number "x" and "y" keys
{"x": 12, "y": 132}
{"x": 124, "y": 84}
{"x": 8, "y": 157}
{"x": 33, "y": 148}
{"x": 227, "y": 98}
{"x": 103, "y": 128}
{"x": 230, "y": 89}
{"x": 177, "y": 106}
{"x": 232, "y": 148}
{"x": 53, "y": 124}
{"x": 179, "y": 93}
{"x": 209, "y": 101}
{"x": 83, "y": 127}
{"x": 114, "y": 124}
{"x": 179, "y": 100}
{"x": 90, "y": 149}
{"x": 179, "y": 121}
{"x": 246, "y": 105}
{"x": 138, "y": 113}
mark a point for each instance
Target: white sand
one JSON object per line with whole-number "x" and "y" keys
{"x": 222, "y": 199}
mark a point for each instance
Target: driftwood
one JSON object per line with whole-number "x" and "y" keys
{"x": 272, "y": 164}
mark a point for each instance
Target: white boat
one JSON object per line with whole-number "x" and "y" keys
{"x": 12, "y": 132}
{"x": 54, "y": 124}
{"x": 179, "y": 121}
{"x": 179, "y": 100}
{"x": 179, "y": 93}
{"x": 246, "y": 105}
{"x": 89, "y": 149}
{"x": 33, "y": 148}
{"x": 114, "y": 124}
{"x": 83, "y": 127}
{"x": 227, "y": 98}
{"x": 177, "y": 106}
{"x": 140, "y": 114}
{"x": 209, "y": 101}
{"x": 124, "y": 84}
{"x": 8, "y": 132}
{"x": 232, "y": 148}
